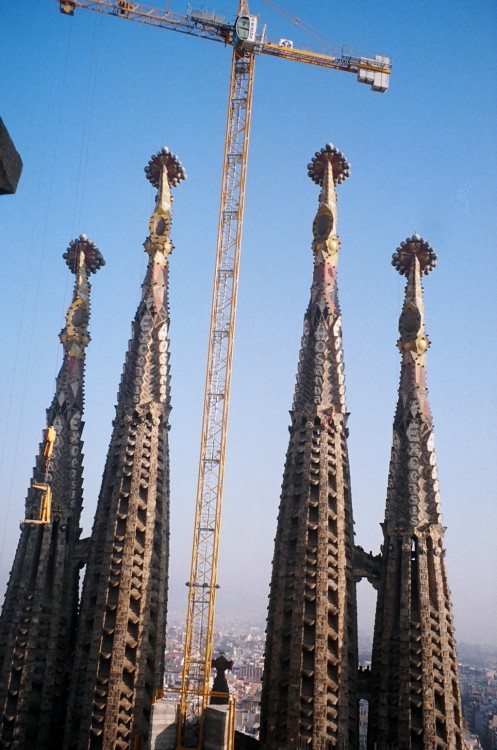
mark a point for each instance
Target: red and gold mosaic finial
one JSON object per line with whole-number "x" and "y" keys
{"x": 412, "y": 247}
{"x": 414, "y": 258}
{"x": 327, "y": 168}
{"x": 92, "y": 257}
{"x": 165, "y": 160}
{"x": 328, "y": 155}
{"x": 83, "y": 258}
{"x": 165, "y": 171}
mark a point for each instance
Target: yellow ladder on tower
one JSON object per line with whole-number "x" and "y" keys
{"x": 45, "y": 490}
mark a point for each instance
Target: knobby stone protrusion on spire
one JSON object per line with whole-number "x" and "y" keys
{"x": 37, "y": 626}
{"x": 415, "y": 688}
{"x": 310, "y": 667}
{"x": 119, "y": 661}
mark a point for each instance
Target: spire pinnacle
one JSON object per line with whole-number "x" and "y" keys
{"x": 83, "y": 258}
{"x": 164, "y": 171}
{"x": 327, "y": 168}
{"x": 319, "y": 383}
{"x": 413, "y": 258}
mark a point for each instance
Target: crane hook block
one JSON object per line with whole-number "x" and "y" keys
{"x": 67, "y": 7}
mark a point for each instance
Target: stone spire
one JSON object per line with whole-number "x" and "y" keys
{"x": 310, "y": 667}
{"x": 38, "y": 620}
{"x": 416, "y": 699}
{"x": 121, "y": 632}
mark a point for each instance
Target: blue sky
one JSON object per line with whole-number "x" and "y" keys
{"x": 89, "y": 99}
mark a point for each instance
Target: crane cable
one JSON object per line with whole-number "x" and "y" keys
{"x": 94, "y": 57}
{"x": 30, "y": 297}
{"x": 41, "y": 242}
{"x": 334, "y": 47}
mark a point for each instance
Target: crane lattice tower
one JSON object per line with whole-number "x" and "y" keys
{"x": 415, "y": 687}
{"x": 119, "y": 659}
{"x": 38, "y": 621}
{"x": 310, "y": 668}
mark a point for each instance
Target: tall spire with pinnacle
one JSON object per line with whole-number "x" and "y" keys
{"x": 121, "y": 632}
{"x": 37, "y": 625}
{"x": 416, "y": 698}
{"x": 310, "y": 667}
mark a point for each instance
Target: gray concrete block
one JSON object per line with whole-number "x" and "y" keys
{"x": 163, "y": 726}
{"x": 10, "y": 162}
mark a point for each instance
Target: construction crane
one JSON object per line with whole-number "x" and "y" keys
{"x": 247, "y": 40}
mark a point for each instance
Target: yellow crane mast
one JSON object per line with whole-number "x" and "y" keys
{"x": 247, "y": 41}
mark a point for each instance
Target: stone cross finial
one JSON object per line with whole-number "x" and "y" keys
{"x": 220, "y": 684}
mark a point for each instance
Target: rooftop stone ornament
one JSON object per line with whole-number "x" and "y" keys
{"x": 327, "y": 168}
{"x": 164, "y": 171}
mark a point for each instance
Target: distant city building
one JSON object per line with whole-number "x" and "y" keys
{"x": 248, "y": 672}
